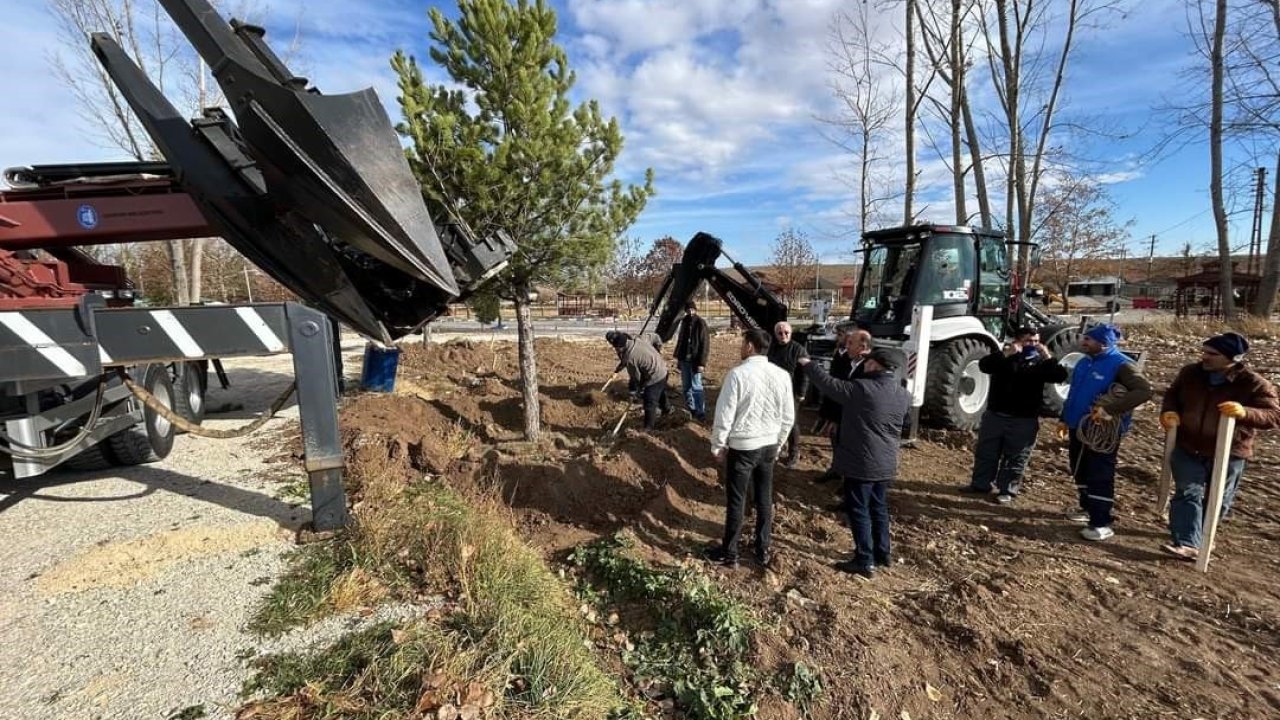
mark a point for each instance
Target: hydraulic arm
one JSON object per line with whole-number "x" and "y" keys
{"x": 749, "y": 300}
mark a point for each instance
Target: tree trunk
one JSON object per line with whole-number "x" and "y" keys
{"x": 975, "y": 157}
{"x": 195, "y": 287}
{"x": 908, "y": 212}
{"x": 1265, "y": 303}
{"x": 528, "y": 364}
{"x": 177, "y": 254}
{"x": 1215, "y": 163}
{"x": 957, "y": 90}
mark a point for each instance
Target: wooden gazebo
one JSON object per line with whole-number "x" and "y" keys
{"x": 1199, "y": 295}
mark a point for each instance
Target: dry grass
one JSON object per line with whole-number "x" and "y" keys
{"x": 1169, "y": 328}
{"x": 513, "y": 635}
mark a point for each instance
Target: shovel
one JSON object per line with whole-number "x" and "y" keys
{"x": 1166, "y": 474}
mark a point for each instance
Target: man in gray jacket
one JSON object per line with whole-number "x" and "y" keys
{"x": 873, "y": 408}
{"x": 648, "y": 373}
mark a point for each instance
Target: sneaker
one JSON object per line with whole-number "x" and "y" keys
{"x": 1182, "y": 552}
{"x": 884, "y": 562}
{"x": 764, "y": 558}
{"x": 716, "y": 554}
{"x": 1097, "y": 534}
{"x": 1077, "y": 515}
{"x": 1004, "y": 498}
{"x": 853, "y": 568}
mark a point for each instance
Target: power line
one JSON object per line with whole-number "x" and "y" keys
{"x": 1184, "y": 222}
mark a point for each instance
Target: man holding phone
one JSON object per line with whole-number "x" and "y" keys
{"x": 1007, "y": 433}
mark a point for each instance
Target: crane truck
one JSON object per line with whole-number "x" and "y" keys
{"x": 314, "y": 189}
{"x": 940, "y": 296}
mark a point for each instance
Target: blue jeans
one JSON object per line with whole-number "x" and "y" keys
{"x": 1191, "y": 490}
{"x": 868, "y": 510}
{"x": 691, "y": 385}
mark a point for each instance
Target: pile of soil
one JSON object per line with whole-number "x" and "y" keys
{"x": 991, "y": 611}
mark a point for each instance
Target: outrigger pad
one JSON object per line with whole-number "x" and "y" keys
{"x": 314, "y": 189}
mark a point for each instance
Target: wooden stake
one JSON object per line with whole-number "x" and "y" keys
{"x": 1217, "y": 488}
{"x": 1166, "y": 473}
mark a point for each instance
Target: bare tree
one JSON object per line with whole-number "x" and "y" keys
{"x": 1218, "y": 66}
{"x": 794, "y": 261}
{"x": 143, "y": 29}
{"x": 946, "y": 40}
{"x": 868, "y": 105}
{"x": 1029, "y": 82}
{"x": 1076, "y": 225}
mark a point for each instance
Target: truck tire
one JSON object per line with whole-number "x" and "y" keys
{"x": 152, "y": 439}
{"x": 97, "y": 457}
{"x": 190, "y": 383}
{"x": 955, "y": 389}
{"x": 1065, "y": 346}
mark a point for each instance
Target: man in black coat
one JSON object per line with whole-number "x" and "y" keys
{"x": 873, "y": 410}
{"x": 786, "y": 354}
{"x": 1007, "y": 433}
{"x": 852, "y": 346}
{"x": 691, "y": 356}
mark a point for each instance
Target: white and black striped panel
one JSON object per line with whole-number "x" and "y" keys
{"x": 129, "y": 335}
{"x": 45, "y": 345}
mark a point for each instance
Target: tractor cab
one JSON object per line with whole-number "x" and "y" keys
{"x": 960, "y": 271}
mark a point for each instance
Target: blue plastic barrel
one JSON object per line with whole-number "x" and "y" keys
{"x": 379, "y": 371}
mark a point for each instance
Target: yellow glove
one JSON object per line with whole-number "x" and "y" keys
{"x": 1099, "y": 415}
{"x": 1232, "y": 409}
{"x": 1169, "y": 420}
{"x": 1063, "y": 431}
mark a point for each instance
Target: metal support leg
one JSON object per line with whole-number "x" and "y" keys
{"x": 311, "y": 339}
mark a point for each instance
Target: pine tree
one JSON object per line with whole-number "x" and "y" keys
{"x": 505, "y": 151}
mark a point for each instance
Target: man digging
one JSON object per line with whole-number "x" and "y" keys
{"x": 647, "y": 371}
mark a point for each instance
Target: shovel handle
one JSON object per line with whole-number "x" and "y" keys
{"x": 608, "y": 382}
{"x": 1166, "y": 472}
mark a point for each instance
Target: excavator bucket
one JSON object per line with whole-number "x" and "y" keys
{"x": 314, "y": 189}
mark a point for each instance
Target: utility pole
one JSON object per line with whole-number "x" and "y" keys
{"x": 1255, "y": 236}
{"x": 1151, "y": 255}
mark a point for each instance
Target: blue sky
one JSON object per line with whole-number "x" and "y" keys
{"x": 719, "y": 97}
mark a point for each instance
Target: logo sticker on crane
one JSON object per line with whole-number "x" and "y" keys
{"x": 87, "y": 216}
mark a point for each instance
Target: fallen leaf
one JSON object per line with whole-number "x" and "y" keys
{"x": 905, "y": 715}
{"x": 469, "y": 712}
{"x": 934, "y": 693}
{"x": 874, "y": 715}
{"x": 447, "y": 712}
{"x": 398, "y": 636}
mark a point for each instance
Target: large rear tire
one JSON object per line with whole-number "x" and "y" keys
{"x": 190, "y": 383}
{"x": 956, "y": 390}
{"x": 1065, "y": 346}
{"x": 152, "y": 439}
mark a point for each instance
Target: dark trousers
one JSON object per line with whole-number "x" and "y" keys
{"x": 1004, "y": 447}
{"x": 1095, "y": 476}
{"x": 868, "y": 508}
{"x": 749, "y": 469}
{"x": 655, "y": 399}
{"x": 793, "y": 439}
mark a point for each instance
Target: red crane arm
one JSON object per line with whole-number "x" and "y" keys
{"x": 139, "y": 210}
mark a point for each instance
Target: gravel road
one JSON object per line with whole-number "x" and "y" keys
{"x": 123, "y": 593}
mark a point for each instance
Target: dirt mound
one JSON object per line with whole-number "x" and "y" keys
{"x": 990, "y": 611}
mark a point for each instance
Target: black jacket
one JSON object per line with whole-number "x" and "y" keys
{"x": 787, "y": 357}
{"x": 841, "y": 369}
{"x": 873, "y": 412}
{"x": 693, "y": 343}
{"x": 1017, "y": 384}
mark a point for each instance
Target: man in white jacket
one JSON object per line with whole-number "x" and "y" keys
{"x": 754, "y": 414}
